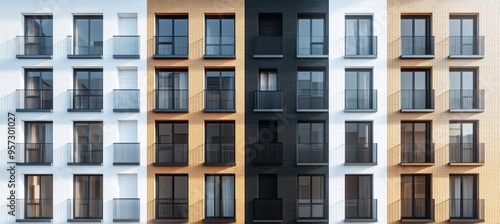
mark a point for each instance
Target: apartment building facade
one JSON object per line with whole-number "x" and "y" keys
{"x": 74, "y": 79}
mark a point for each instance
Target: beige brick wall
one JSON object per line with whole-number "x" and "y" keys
{"x": 196, "y": 65}
{"x": 488, "y": 122}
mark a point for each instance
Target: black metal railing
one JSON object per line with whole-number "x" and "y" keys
{"x": 312, "y": 153}
{"x": 361, "y": 99}
{"x": 126, "y": 45}
{"x": 34, "y": 153}
{"x": 312, "y": 208}
{"x": 171, "y": 154}
{"x": 34, "y": 208}
{"x": 34, "y": 45}
{"x": 171, "y": 99}
{"x": 126, "y": 153}
{"x": 219, "y": 45}
{"x": 93, "y": 48}
{"x": 268, "y": 100}
{"x": 219, "y": 208}
{"x": 268, "y": 45}
{"x": 171, "y": 45}
{"x": 265, "y": 209}
{"x": 466, "y": 45}
{"x": 360, "y": 45}
{"x": 126, "y": 209}
{"x": 361, "y": 209}
{"x": 417, "y": 45}
{"x": 417, "y": 152}
{"x": 312, "y": 45}
{"x": 125, "y": 99}
{"x": 417, "y": 99}
{"x": 310, "y": 99}
{"x": 417, "y": 208}
{"x": 82, "y": 153}
{"x": 466, "y": 153}
{"x": 34, "y": 99}
{"x": 268, "y": 153}
{"x": 467, "y": 99}
{"x": 171, "y": 208}
{"x": 85, "y": 99}
{"x": 219, "y": 99}
{"x": 361, "y": 153}
{"x": 85, "y": 208}
{"x": 467, "y": 208}
{"x": 222, "y": 153}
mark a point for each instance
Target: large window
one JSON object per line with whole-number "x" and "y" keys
{"x": 464, "y": 147}
{"x": 359, "y": 36}
{"x": 37, "y": 93}
{"x": 359, "y": 93}
{"x": 416, "y": 146}
{"x": 416, "y": 198}
{"x": 171, "y": 197}
{"x": 38, "y": 143}
{"x": 359, "y": 201}
{"x": 311, "y": 90}
{"x": 464, "y": 39}
{"x": 219, "y": 143}
{"x": 172, "y": 143}
{"x": 88, "y": 39}
{"x": 87, "y": 143}
{"x": 38, "y": 197}
{"x": 416, "y": 36}
{"x": 37, "y": 38}
{"x": 219, "y": 197}
{"x": 219, "y": 36}
{"x": 172, "y": 90}
{"x": 87, "y": 197}
{"x": 311, "y": 143}
{"x": 171, "y": 36}
{"x": 359, "y": 147}
{"x": 219, "y": 92}
{"x": 87, "y": 93}
{"x": 311, "y": 37}
{"x": 464, "y": 92}
{"x": 312, "y": 197}
{"x": 464, "y": 202}
{"x": 416, "y": 90}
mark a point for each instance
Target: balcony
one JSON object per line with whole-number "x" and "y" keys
{"x": 268, "y": 47}
{"x": 415, "y": 154}
{"x": 268, "y": 101}
{"x": 417, "y": 47}
{"x": 466, "y": 210}
{"x": 219, "y": 154}
{"x": 92, "y": 50}
{"x": 126, "y": 154}
{"x": 268, "y": 210}
{"x": 220, "y": 47}
{"x": 467, "y": 100}
{"x": 363, "y": 100}
{"x": 34, "y": 154}
{"x": 467, "y": 154}
{"x": 360, "y": 210}
{"x": 417, "y": 210}
{"x": 126, "y": 46}
{"x": 34, "y": 47}
{"x": 167, "y": 154}
{"x": 312, "y": 47}
{"x": 312, "y": 154}
{"x": 310, "y": 100}
{"x": 220, "y": 214}
{"x": 171, "y": 100}
{"x": 170, "y": 47}
{"x": 126, "y": 209}
{"x": 467, "y": 47}
{"x": 126, "y": 100}
{"x": 417, "y": 100}
{"x": 34, "y": 210}
{"x": 85, "y": 210}
{"x": 313, "y": 210}
{"x": 85, "y": 100}
{"x": 360, "y": 154}
{"x": 361, "y": 47}
{"x": 34, "y": 100}
{"x": 85, "y": 154}
{"x": 171, "y": 210}
{"x": 267, "y": 153}
{"x": 219, "y": 101}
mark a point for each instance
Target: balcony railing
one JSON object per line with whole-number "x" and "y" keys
{"x": 219, "y": 154}
{"x": 417, "y": 46}
{"x": 85, "y": 154}
{"x": 470, "y": 99}
{"x": 92, "y": 50}
{"x": 361, "y": 100}
{"x": 467, "y": 46}
{"x": 34, "y": 100}
{"x": 171, "y": 154}
{"x": 126, "y": 46}
{"x": 84, "y": 209}
{"x": 126, "y": 209}
{"x": 466, "y": 153}
{"x": 34, "y": 153}
{"x": 219, "y": 100}
{"x": 312, "y": 153}
{"x": 417, "y": 153}
{"x": 171, "y": 100}
{"x": 361, "y": 153}
{"x": 417, "y": 208}
{"x": 34, "y": 209}
{"x": 126, "y": 153}
{"x": 312, "y": 209}
{"x": 85, "y": 100}
{"x": 34, "y": 47}
{"x": 220, "y": 46}
{"x": 172, "y": 209}
{"x": 268, "y": 153}
{"x": 268, "y": 101}
{"x": 417, "y": 100}
{"x": 267, "y": 210}
{"x": 361, "y": 46}
{"x": 170, "y": 47}
{"x": 126, "y": 100}
{"x": 312, "y": 46}
{"x": 466, "y": 210}
{"x": 268, "y": 47}
{"x": 360, "y": 209}
{"x": 312, "y": 100}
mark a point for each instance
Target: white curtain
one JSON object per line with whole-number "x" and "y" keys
{"x": 268, "y": 81}
{"x": 468, "y": 196}
{"x": 210, "y": 196}
{"x": 227, "y": 196}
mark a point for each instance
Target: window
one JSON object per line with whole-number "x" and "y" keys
{"x": 268, "y": 148}
{"x": 269, "y": 43}
{"x": 270, "y": 24}
{"x": 268, "y": 98}
{"x": 359, "y": 203}
{"x": 37, "y": 94}
{"x": 219, "y": 197}
{"x": 464, "y": 202}
{"x": 219, "y": 92}
{"x": 88, "y": 35}
{"x": 416, "y": 36}
{"x": 87, "y": 143}
{"x": 171, "y": 197}
{"x": 359, "y": 144}
{"x": 464, "y": 92}
{"x": 87, "y": 198}
{"x": 172, "y": 90}
{"x": 416, "y": 199}
{"x": 416, "y": 146}
{"x": 219, "y": 143}
{"x": 172, "y": 143}
{"x": 87, "y": 93}
{"x": 38, "y": 202}
{"x": 311, "y": 90}
{"x": 359, "y": 93}
{"x": 359, "y": 39}
{"x": 171, "y": 36}
{"x": 464, "y": 147}
{"x": 219, "y": 36}
{"x": 416, "y": 92}
{"x": 311, "y": 38}
{"x": 311, "y": 143}
{"x": 312, "y": 196}
{"x": 268, "y": 80}
{"x": 464, "y": 39}
{"x": 38, "y": 143}
{"x": 37, "y": 38}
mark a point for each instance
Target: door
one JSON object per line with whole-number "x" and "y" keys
{"x": 463, "y": 35}
{"x": 463, "y": 196}
{"x": 463, "y": 142}
{"x": 415, "y": 142}
{"x": 463, "y": 89}
{"x": 38, "y": 202}
{"x": 87, "y": 200}
{"x": 415, "y": 87}
{"x": 359, "y": 35}
{"x": 358, "y": 195}
{"x": 358, "y": 87}
{"x": 415, "y": 35}
{"x": 358, "y": 140}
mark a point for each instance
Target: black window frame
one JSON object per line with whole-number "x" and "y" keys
{"x": 88, "y": 176}
{"x": 38, "y": 202}
{"x": 41, "y": 96}
{"x": 41, "y": 41}
{"x": 324, "y": 43}
{"x": 93, "y": 95}
{"x": 172, "y": 42}
{"x": 324, "y": 202}
{"x": 95, "y": 156}
{"x": 220, "y": 218}
{"x": 97, "y": 53}
{"x": 172, "y": 144}
{"x": 429, "y": 151}
{"x": 220, "y": 45}
{"x": 174, "y": 198}
{"x": 358, "y": 200}
{"x": 222, "y": 159}
{"x": 179, "y": 94}
{"x": 428, "y": 201}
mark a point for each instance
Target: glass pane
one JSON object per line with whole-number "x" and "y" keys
{"x": 365, "y": 27}
{"x": 351, "y": 80}
{"x": 420, "y": 80}
{"x": 164, "y": 27}
{"x": 468, "y": 27}
{"x": 406, "y": 80}
{"x": 455, "y": 27}
{"x": 467, "y": 133}
{"x": 165, "y": 187}
{"x": 455, "y": 133}
{"x": 212, "y": 133}
{"x": 351, "y": 28}
{"x": 317, "y": 134}
{"x": 228, "y": 27}
{"x": 304, "y": 133}
{"x": 181, "y": 187}
{"x": 455, "y": 77}
{"x": 82, "y": 32}
{"x": 181, "y": 27}
{"x": 406, "y": 27}
{"x": 213, "y": 28}
{"x": 420, "y": 27}
{"x": 468, "y": 80}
